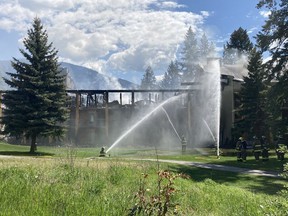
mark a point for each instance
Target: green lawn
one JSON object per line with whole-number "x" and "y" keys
{"x": 68, "y": 185}
{"x": 205, "y": 156}
{"x": 75, "y": 181}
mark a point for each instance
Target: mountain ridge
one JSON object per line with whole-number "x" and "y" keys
{"x": 78, "y": 77}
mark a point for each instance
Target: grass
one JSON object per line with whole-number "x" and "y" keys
{"x": 70, "y": 181}
{"x": 54, "y": 186}
{"x": 205, "y": 156}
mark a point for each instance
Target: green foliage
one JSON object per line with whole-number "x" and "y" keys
{"x": 171, "y": 78}
{"x": 194, "y": 53}
{"x": 253, "y": 98}
{"x": 285, "y": 174}
{"x": 275, "y": 32}
{"x": 36, "y": 107}
{"x": 52, "y": 188}
{"x": 276, "y": 100}
{"x": 238, "y": 45}
{"x": 190, "y": 52}
{"x": 206, "y": 48}
{"x": 149, "y": 80}
{"x": 156, "y": 202}
{"x": 273, "y": 39}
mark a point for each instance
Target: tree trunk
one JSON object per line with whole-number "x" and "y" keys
{"x": 33, "y": 144}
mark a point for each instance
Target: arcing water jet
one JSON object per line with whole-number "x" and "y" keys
{"x": 144, "y": 118}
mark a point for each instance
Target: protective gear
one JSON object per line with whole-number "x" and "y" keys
{"x": 257, "y": 148}
{"x": 184, "y": 144}
{"x": 241, "y": 147}
{"x": 280, "y": 148}
{"x": 102, "y": 152}
{"x": 265, "y": 149}
{"x": 244, "y": 150}
{"x": 238, "y": 150}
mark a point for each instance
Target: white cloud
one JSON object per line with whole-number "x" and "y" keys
{"x": 169, "y": 4}
{"x": 265, "y": 14}
{"x": 159, "y": 78}
{"x": 14, "y": 17}
{"x": 252, "y": 30}
{"x": 36, "y": 5}
{"x": 205, "y": 13}
{"x": 122, "y": 35}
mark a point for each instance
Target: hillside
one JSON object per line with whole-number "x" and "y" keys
{"x": 78, "y": 77}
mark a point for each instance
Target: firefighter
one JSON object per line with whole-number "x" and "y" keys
{"x": 102, "y": 152}
{"x": 238, "y": 149}
{"x": 265, "y": 149}
{"x": 243, "y": 149}
{"x": 257, "y": 148}
{"x": 184, "y": 144}
{"x": 281, "y": 148}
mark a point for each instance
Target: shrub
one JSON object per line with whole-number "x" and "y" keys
{"x": 157, "y": 202}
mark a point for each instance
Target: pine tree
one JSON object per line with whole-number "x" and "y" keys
{"x": 206, "y": 48}
{"x": 36, "y": 106}
{"x": 238, "y": 46}
{"x": 253, "y": 94}
{"x": 273, "y": 39}
{"x": 149, "y": 80}
{"x": 171, "y": 78}
{"x": 190, "y": 57}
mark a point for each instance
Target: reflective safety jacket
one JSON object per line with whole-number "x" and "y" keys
{"x": 257, "y": 147}
{"x": 238, "y": 145}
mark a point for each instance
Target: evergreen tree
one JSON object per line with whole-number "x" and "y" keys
{"x": 206, "y": 48}
{"x": 190, "y": 57}
{"x": 149, "y": 80}
{"x": 36, "y": 106}
{"x": 238, "y": 45}
{"x": 253, "y": 94}
{"x": 171, "y": 78}
{"x": 273, "y": 39}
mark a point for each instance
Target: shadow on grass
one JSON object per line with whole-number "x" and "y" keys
{"x": 272, "y": 165}
{"x": 22, "y": 153}
{"x": 255, "y": 184}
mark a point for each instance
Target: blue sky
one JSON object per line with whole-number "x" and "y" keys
{"x": 123, "y": 37}
{"x": 225, "y": 16}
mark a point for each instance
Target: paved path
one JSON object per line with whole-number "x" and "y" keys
{"x": 223, "y": 168}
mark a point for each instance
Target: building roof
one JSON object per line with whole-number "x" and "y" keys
{"x": 238, "y": 71}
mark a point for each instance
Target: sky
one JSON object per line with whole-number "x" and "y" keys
{"x": 124, "y": 37}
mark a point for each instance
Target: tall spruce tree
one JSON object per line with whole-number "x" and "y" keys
{"x": 206, "y": 48}
{"x": 238, "y": 45}
{"x": 253, "y": 94}
{"x": 273, "y": 39}
{"x": 36, "y": 106}
{"x": 149, "y": 80}
{"x": 171, "y": 78}
{"x": 190, "y": 57}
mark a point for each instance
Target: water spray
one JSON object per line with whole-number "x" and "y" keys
{"x": 141, "y": 120}
{"x": 171, "y": 123}
{"x": 213, "y": 137}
